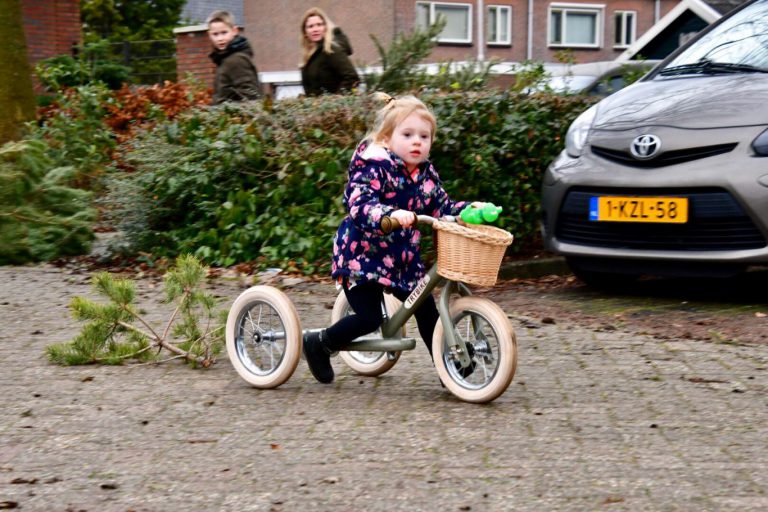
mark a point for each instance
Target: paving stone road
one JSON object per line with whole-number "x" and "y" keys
{"x": 593, "y": 421}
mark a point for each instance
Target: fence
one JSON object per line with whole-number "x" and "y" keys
{"x": 150, "y": 61}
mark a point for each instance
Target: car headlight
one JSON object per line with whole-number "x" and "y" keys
{"x": 577, "y": 133}
{"x": 760, "y": 144}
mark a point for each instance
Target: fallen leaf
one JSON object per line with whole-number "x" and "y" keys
{"x": 21, "y": 480}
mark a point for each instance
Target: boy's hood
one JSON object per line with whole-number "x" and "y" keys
{"x": 238, "y": 44}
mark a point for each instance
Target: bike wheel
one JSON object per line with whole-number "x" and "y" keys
{"x": 264, "y": 336}
{"x": 492, "y": 347}
{"x": 370, "y": 364}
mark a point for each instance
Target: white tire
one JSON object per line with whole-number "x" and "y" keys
{"x": 489, "y": 335}
{"x": 369, "y": 364}
{"x": 264, "y": 338}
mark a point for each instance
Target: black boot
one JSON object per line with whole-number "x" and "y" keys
{"x": 318, "y": 356}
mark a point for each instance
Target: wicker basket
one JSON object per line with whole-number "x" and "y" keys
{"x": 470, "y": 253}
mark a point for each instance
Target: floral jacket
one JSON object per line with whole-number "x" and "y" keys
{"x": 379, "y": 184}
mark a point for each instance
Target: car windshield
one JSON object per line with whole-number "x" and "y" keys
{"x": 738, "y": 45}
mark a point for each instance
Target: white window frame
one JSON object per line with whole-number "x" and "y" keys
{"x": 432, "y": 17}
{"x": 499, "y": 26}
{"x": 596, "y": 9}
{"x": 621, "y": 35}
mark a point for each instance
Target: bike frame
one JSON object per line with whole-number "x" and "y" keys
{"x": 390, "y": 327}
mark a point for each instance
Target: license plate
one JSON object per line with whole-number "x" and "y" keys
{"x": 639, "y": 209}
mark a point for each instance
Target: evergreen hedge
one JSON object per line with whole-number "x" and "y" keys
{"x": 263, "y": 182}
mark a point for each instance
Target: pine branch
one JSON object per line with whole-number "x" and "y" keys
{"x": 107, "y": 321}
{"x": 169, "y": 346}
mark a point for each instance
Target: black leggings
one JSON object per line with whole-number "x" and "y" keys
{"x": 365, "y": 300}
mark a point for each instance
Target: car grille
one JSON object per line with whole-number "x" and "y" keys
{"x": 716, "y": 222}
{"x": 667, "y": 158}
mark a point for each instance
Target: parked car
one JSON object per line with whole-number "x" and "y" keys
{"x": 669, "y": 176}
{"x": 596, "y": 78}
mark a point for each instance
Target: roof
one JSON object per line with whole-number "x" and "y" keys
{"x": 197, "y": 11}
{"x": 708, "y": 11}
{"x": 723, "y": 6}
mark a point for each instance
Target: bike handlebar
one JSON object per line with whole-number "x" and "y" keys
{"x": 389, "y": 224}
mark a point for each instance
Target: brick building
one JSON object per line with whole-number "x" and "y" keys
{"x": 511, "y": 31}
{"x": 52, "y": 28}
{"x": 508, "y": 30}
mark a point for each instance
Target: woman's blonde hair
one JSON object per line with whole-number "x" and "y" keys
{"x": 394, "y": 111}
{"x": 308, "y": 46}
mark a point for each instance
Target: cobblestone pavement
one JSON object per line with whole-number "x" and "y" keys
{"x": 593, "y": 421}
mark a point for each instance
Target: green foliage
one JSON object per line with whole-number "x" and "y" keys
{"x": 399, "y": 63}
{"x": 402, "y": 71}
{"x": 237, "y": 183}
{"x": 100, "y": 339}
{"x": 247, "y": 183}
{"x": 41, "y": 216}
{"x": 111, "y": 336}
{"x": 76, "y": 134}
{"x": 142, "y": 27}
{"x": 495, "y": 147}
{"x": 466, "y": 76}
{"x": 529, "y": 75}
{"x": 130, "y": 20}
{"x": 93, "y": 64}
{"x": 634, "y": 73}
{"x": 181, "y": 284}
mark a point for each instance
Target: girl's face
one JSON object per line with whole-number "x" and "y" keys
{"x": 411, "y": 140}
{"x": 314, "y": 28}
{"x": 221, "y": 34}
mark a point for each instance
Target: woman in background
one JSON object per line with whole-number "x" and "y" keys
{"x": 326, "y": 68}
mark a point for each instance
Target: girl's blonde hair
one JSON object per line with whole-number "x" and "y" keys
{"x": 308, "y": 46}
{"x": 393, "y": 113}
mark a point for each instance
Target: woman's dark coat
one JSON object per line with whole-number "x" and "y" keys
{"x": 330, "y": 73}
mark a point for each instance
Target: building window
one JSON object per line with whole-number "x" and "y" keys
{"x": 499, "y": 24}
{"x": 575, "y": 25}
{"x": 624, "y": 28}
{"x": 458, "y": 26}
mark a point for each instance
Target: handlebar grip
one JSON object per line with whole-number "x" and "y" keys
{"x": 389, "y": 224}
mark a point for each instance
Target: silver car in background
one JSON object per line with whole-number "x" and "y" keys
{"x": 599, "y": 79}
{"x": 669, "y": 176}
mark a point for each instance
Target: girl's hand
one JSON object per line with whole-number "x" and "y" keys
{"x": 406, "y": 218}
{"x": 477, "y": 204}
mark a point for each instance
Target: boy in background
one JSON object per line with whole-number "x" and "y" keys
{"x": 236, "y": 76}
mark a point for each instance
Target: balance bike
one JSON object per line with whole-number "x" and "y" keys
{"x": 264, "y": 334}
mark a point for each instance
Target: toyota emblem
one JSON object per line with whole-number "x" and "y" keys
{"x": 645, "y": 146}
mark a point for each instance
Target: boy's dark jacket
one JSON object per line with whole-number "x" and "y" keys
{"x": 237, "y": 78}
{"x": 330, "y": 73}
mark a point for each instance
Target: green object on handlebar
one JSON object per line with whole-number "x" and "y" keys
{"x": 489, "y": 212}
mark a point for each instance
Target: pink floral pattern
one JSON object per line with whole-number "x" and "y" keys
{"x": 376, "y": 188}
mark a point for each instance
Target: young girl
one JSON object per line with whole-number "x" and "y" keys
{"x": 389, "y": 175}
